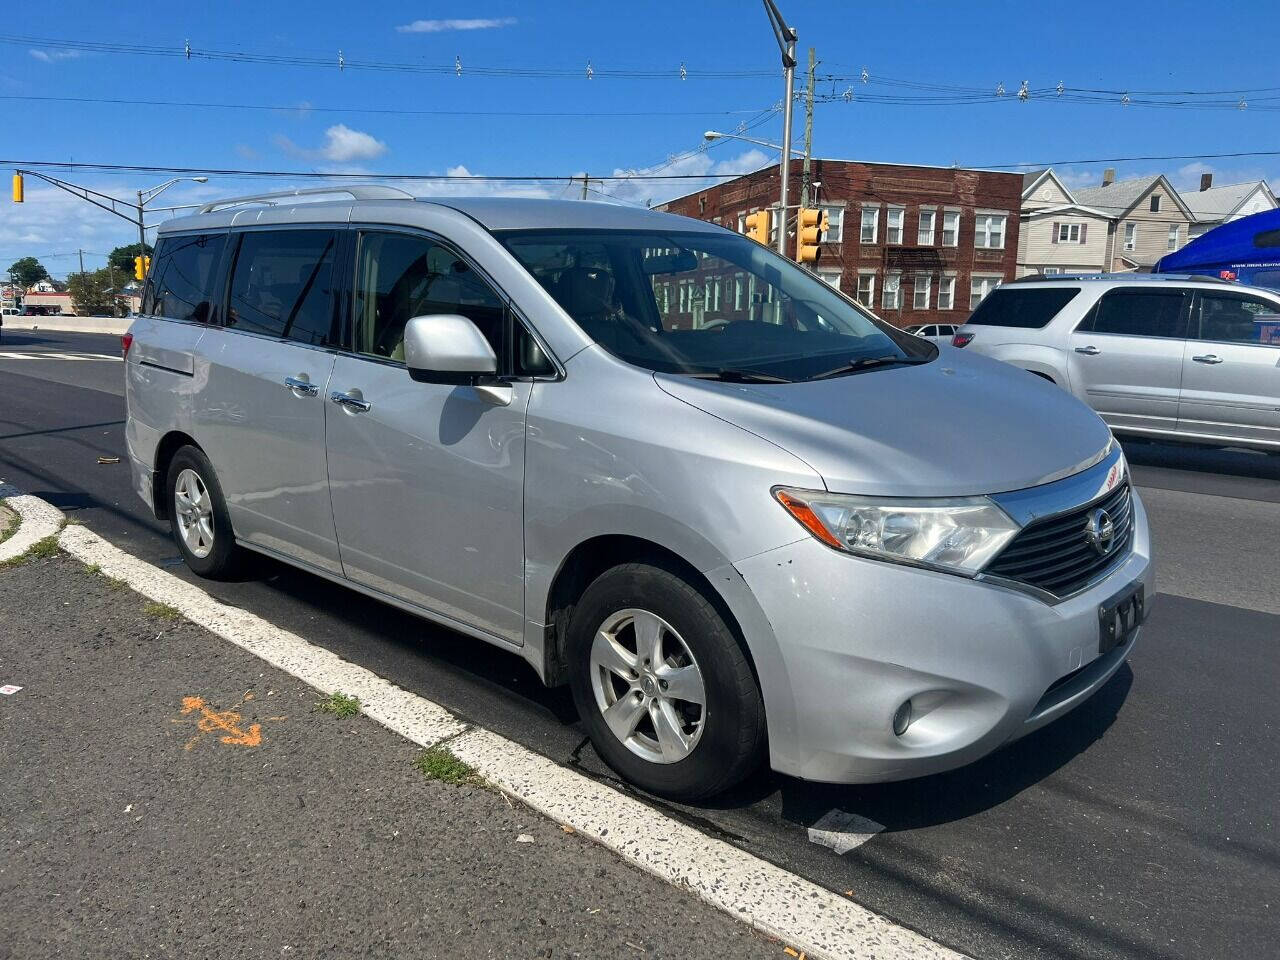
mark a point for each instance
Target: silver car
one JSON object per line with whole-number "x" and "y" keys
{"x": 1157, "y": 355}
{"x": 656, "y": 460}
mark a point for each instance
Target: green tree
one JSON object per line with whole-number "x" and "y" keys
{"x": 28, "y": 271}
{"x": 93, "y": 292}
{"x": 122, "y": 257}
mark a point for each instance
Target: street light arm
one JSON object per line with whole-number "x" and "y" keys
{"x": 716, "y": 135}
{"x": 784, "y": 34}
{"x": 149, "y": 195}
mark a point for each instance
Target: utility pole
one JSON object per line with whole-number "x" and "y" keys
{"x": 808, "y": 133}
{"x": 81, "y": 252}
{"x": 786, "y": 37}
{"x": 585, "y": 180}
{"x": 142, "y": 231}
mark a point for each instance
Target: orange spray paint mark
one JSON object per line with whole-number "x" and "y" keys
{"x": 227, "y": 721}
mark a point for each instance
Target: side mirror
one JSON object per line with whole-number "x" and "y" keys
{"x": 447, "y": 348}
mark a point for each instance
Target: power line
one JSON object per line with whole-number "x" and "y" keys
{"x": 307, "y": 107}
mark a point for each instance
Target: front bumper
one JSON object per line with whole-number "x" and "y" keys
{"x": 983, "y": 664}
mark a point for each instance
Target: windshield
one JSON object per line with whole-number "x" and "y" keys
{"x": 708, "y": 304}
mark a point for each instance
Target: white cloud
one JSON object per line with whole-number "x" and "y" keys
{"x": 53, "y": 56}
{"x": 344, "y": 145}
{"x": 698, "y": 165}
{"x": 443, "y": 26}
{"x": 476, "y": 188}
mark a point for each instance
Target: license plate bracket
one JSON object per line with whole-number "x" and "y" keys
{"x": 1120, "y": 617}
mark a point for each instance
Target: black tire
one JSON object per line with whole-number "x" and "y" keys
{"x": 224, "y": 558}
{"x": 732, "y": 740}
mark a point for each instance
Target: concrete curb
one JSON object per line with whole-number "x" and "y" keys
{"x": 106, "y": 325}
{"x": 36, "y": 520}
{"x": 809, "y": 918}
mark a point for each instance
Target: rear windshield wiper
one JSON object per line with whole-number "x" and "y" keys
{"x": 734, "y": 375}
{"x": 868, "y": 363}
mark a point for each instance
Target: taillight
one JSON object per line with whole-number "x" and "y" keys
{"x": 126, "y": 342}
{"x": 961, "y": 339}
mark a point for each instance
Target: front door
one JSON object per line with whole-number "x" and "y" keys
{"x": 261, "y": 412}
{"x": 1231, "y": 368}
{"x": 427, "y": 479}
{"x": 1125, "y": 357}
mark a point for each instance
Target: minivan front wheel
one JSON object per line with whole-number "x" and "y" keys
{"x": 662, "y": 684}
{"x": 198, "y": 515}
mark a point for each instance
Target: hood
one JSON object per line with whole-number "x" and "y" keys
{"x": 960, "y": 425}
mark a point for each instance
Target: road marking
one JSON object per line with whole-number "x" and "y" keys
{"x": 36, "y": 520}
{"x": 211, "y": 721}
{"x": 45, "y": 355}
{"x": 843, "y": 831}
{"x": 798, "y": 912}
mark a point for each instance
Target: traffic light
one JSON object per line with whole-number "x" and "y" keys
{"x": 141, "y": 266}
{"x": 17, "y": 187}
{"x": 757, "y": 225}
{"x": 810, "y": 226}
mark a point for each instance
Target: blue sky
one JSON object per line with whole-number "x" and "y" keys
{"x": 326, "y": 123}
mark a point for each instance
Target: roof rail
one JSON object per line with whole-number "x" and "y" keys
{"x": 360, "y": 191}
{"x": 1127, "y": 277}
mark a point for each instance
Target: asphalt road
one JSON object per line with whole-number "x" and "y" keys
{"x": 1141, "y": 825}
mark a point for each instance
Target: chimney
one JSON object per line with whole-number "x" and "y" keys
{"x": 1108, "y": 176}
{"x": 1206, "y": 181}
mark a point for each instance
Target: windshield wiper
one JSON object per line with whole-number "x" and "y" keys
{"x": 735, "y": 375}
{"x": 868, "y": 363}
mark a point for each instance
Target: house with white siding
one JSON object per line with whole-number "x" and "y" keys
{"x": 1058, "y": 233}
{"x": 1214, "y": 206}
{"x": 1147, "y": 218}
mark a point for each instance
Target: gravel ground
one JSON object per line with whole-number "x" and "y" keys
{"x": 127, "y": 830}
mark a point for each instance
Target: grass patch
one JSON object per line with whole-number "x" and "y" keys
{"x": 340, "y": 705}
{"x": 8, "y": 523}
{"x": 114, "y": 583}
{"x": 44, "y": 549}
{"x": 92, "y": 569}
{"x": 161, "y": 610}
{"x": 439, "y": 763}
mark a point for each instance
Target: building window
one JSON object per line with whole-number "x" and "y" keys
{"x": 1069, "y": 233}
{"x": 925, "y": 236}
{"x": 1155, "y": 203}
{"x": 867, "y": 289}
{"x": 1052, "y": 271}
{"x": 835, "y": 223}
{"x": 742, "y": 222}
{"x": 1173, "y": 238}
{"x": 979, "y": 287}
{"x": 923, "y": 290}
{"x": 951, "y": 228}
{"x": 892, "y": 299}
{"x": 1130, "y": 236}
{"x": 737, "y": 293}
{"x": 893, "y": 224}
{"x": 870, "y": 224}
{"x": 947, "y": 293}
{"x": 829, "y": 276}
{"x": 988, "y": 231}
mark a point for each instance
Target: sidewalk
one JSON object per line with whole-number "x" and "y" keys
{"x": 165, "y": 794}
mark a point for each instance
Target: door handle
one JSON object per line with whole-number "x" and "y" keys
{"x": 305, "y": 387}
{"x": 1089, "y": 351}
{"x": 350, "y": 403}
{"x": 1207, "y": 358}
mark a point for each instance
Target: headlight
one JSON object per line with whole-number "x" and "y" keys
{"x": 959, "y": 535}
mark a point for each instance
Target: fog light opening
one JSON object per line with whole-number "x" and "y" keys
{"x": 902, "y": 719}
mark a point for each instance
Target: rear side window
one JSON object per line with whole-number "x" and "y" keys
{"x": 1031, "y": 308}
{"x": 1237, "y": 318}
{"x": 180, "y": 286}
{"x": 1139, "y": 313}
{"x": 282, "y": 285}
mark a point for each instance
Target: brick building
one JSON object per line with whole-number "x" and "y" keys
{"x": 915, "y": 244}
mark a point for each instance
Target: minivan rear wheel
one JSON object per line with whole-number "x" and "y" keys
{"x": 198, "y": 515}
{"x": 662, "y": 684}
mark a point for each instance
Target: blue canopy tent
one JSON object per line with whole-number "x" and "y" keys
{"x": 1247, "y": 250}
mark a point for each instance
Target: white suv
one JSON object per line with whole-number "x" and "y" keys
{"x": 1160, "y": 355}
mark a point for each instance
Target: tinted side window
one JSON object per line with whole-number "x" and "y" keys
{"x": 180, "y": 286}
{"x": 1139, "y": 313}
{"x": 282, "y": 285}
{"x": 399, "y": 277}
{"x": 1236, "y": 318}
{"x": 1030, "y": 309}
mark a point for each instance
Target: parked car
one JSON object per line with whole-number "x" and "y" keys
{"x": 1157, "y": 355}
{"x": 935, "y": 332}
{"x": 734, "y": 523}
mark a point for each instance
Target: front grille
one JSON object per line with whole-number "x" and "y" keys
{"x": 1053, "y": 554}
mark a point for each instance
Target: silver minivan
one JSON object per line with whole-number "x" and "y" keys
{"x": 653, "y": 458}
